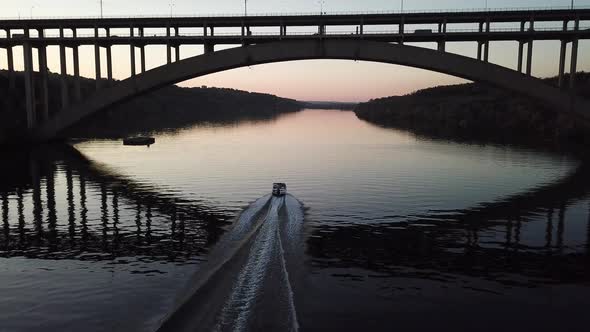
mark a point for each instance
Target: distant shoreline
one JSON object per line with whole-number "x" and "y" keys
{"x": 476, "y": 113}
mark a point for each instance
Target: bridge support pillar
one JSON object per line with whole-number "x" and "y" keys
{"x": 168, "y": 47}
{"x": 562, "y": 62}
{"x": 63, "y": 70}
{"x": 97, "y": 60}
{"x": 109, "y": 59}
{"x": 29, "y": 84}
{"x": 177, "y": 46}
{"x": 141, "y": 53}
{"x": 132, "y": 53}
{"x": 441, "y": 46}
{"x": 574, "y": 61}
{"x": 10, "y": 60}
{"x": 401, "y": 30}
{"x": 520, "y": 54}
{"x": 209, "y": 48}
{"x": 76, "y": 55}
{"x": 529, "y": 57}
{"x": 574, "y": 64}
{"x": 44, "y": 90}
{"x": 479, "y": 51}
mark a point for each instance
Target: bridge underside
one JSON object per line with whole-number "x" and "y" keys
{"x": 442, "y": 62}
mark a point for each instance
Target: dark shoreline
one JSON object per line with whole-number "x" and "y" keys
{"x": 477, "y": 114}
{"x": 165, "y": 110}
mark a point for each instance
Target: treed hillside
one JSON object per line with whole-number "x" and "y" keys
{"x": 166, "y": 109}
{"x": 476, "y": 112}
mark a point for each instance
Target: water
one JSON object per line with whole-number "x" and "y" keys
{"x": 383, "y": 231}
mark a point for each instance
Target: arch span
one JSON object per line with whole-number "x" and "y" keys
{"x": 281, "y": 51}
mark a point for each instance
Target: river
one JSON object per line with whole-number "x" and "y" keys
{"x": 381, "y": 230}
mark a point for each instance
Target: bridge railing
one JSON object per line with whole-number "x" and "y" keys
{"x": 331, "y": 33}
{"x": 314, "y": 13}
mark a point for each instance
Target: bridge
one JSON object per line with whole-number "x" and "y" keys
{"x": 379, "y": 37}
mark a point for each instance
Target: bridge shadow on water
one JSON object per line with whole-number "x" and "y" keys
{"x": 57, "y": 204}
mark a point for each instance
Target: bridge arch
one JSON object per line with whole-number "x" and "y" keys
{"x": 418, "y": 57}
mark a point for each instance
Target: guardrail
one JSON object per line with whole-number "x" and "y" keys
{"x": 314, "y": 13}
{"x": 330, "y": 33}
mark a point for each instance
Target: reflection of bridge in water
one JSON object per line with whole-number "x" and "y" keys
{"x": 486, "y": 241}
{"x": 104, "y": 215}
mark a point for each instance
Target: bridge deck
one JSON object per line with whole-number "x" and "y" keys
{"x": 494, "y": 16}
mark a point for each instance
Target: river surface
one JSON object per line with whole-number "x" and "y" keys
{"x": 380, "y": 231}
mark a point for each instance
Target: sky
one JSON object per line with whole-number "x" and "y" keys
{"x": 337, "y": 80}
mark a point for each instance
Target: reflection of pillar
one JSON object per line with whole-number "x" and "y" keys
{"x": 71, "y": 207}
{"x": 51, "y": 212}
{"x": 138, "y": 223}
{"x": 148, "y": 224}
{"x": 83, "y": 210}
{"x": 508, "y": 233}
{"x": 517, "y": 233}
{"x": 549, "y": 229}
{"x": 588, "y": 232}
{"x": 20, "y": 210}
{"x": 37, "y": 205}
{"x": 115, "y": 220}
{"x": 5, "y": 225}
{"x": 104, "y": 213}
{"x": 561, "y": 227}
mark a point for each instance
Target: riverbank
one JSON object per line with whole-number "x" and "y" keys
{"x": 477, "y": 113}
{"x": 166, "y": 109}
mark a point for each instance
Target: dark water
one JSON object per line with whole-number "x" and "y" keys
{"x": 383, "y": 231}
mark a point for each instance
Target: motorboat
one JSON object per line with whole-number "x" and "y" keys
{"x": 279, "y": 189}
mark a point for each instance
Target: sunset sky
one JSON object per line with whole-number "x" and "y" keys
{"x": 303, "y": 80}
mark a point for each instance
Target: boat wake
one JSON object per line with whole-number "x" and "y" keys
{"x": 245, "y": 284}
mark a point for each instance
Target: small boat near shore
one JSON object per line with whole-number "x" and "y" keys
{"x": 139, "y": 141}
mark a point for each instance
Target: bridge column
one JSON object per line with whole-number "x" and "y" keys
{"x": 132, "y": 52}
{"x": 141, "y": 53}
{"x": 97, "y": 59}
{"x": 520, "y": 54}
{"x": 401, "y": 29}
{"x": 529, "y": 63}
{"x": 529, "y": 56}
{"x": 109, "y": 59}
{"x": 574, "y": 60}
{"x": 562, "y": 62}
{"x": 168, "y": 47}
{"x": 65, "y": 98}
{"x": 43, "y": 75}
{"x": 441, "y": 46}
{"x": 76, "y": 55}
{"x": 10, "y": 62}
{"x": 209, "y": 48}
{"x": 29, "y": 83}
{"x": 177, "y": 46}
